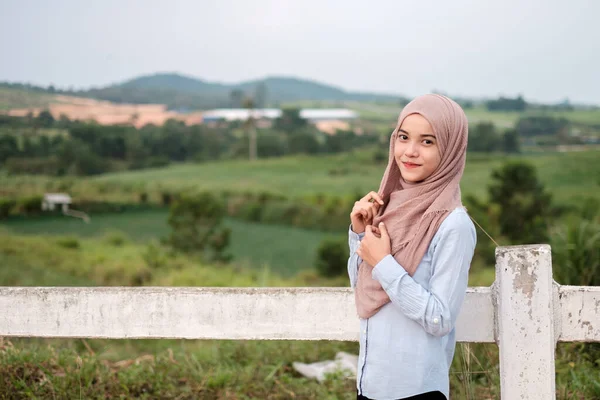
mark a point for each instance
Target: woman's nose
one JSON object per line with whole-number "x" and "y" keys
{"x": 411, "y": 150}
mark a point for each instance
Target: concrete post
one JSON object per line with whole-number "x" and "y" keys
{"x": 525, "y": 331}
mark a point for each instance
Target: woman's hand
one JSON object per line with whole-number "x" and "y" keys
{"x": 375, "y": 245}
{"x": 364, "y": 210}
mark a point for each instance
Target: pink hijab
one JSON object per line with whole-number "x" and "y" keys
{"x": 413, "y": 212}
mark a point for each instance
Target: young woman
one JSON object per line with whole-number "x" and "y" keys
{"x": 411, "y": 245}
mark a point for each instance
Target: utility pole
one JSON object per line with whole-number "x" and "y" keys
{"x": 249, "y": 105}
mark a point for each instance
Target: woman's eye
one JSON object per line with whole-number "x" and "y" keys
{"x": 402, "y": 137}
{"x": 428, "y": 142}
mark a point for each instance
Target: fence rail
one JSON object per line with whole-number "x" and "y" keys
{"x": 525, "y": 312}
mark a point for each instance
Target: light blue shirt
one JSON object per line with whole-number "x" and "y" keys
{"x": 407, "y": 347}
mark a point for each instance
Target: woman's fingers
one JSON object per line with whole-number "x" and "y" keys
{"x": 373, "y": 196}
{"x": 365, "y": 214}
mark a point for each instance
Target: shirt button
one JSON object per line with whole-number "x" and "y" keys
{"x": 435, "y": 320}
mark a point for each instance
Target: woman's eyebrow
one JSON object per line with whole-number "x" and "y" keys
{"x": 423, "y": 135}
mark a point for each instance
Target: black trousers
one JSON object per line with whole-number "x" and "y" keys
{"x": 425, "y": 396}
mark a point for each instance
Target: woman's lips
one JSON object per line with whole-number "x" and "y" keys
{"x": 410, "y": 165}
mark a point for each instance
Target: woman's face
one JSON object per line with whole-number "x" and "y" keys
{"x": 416, "y": 149}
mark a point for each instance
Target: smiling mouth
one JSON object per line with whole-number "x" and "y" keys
{"x": 410, "y": 165}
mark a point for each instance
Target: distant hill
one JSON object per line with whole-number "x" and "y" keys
{"x": 183, "y": 92}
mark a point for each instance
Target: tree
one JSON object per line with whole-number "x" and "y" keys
{"x": 484, "y": 138}
{"x": 196, "y": 226}
{"x": 524, "y": 205}
{"x": 8, "y": 147}
{"x": 332, "y": 257}
{"x": 290, "y": 120}
{"x": 510, "y": 141}
{"x": 45, "y": 119}
{"x": 507, "y": 104}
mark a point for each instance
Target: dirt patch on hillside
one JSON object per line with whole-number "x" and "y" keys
{"x": 108, "y": 113}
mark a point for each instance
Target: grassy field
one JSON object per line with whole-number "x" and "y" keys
{"x": 17, "y": 98}
{"x": 282, "y": 250}
{"x": 568, "y": 176}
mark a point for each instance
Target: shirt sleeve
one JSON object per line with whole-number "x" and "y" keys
{"x": 354, "y": 260}
{"x": 435, "y": 309}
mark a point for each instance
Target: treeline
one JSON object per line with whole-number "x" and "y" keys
{"x": 41, "y": 145}
{"x": 519, "y": 104}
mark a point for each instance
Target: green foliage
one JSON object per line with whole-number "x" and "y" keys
{"x": 6, "y": 207}
{"x": 332, "y": 257}
{"x": 487, "y": 217}
{"x": 541, "y": 125}
{"x": 506, "y": 104}
{"x": 290, "y": 120}
{"x": 155, "y": 256}
{"x": 195, "y": 221}
{"x": 484, "y": 138}
{"x": 380, "y": 156}
{"x": 77, "y": 158}
{"x": 576, "y": 252}
{"x": 143, "y": 196}
{"x": 116, "y": 238}
{"x": 303, "y": 142}
{"x": 33, "y": 165}
{"x": 524, "y": 205}
{"x": 510, "y": 142}
{"x": 29, "y": 205}
{"x": 68, "y": 242}
{"x": 45, "y": 119}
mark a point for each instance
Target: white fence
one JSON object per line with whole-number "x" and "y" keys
{"x": 524, "y": 312}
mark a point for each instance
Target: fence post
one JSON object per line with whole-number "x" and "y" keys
{"x": 525, "y": 322}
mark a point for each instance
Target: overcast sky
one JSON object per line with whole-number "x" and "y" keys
{"x": 545, "y": 50}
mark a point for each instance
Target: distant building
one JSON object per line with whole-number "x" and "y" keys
{"x": 328, "y": 114}
{"x": 52, "y": 201}
{"x": 313, "y": 115}
{"x": 239, "y": 114}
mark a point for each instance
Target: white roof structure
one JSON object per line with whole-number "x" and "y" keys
{"x": 57, "y": 198}
{"x": 327, "y": 113}
{"x": 241, "y": 114}
{"x": 313, "y": 114}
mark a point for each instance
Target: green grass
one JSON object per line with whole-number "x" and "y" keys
{"x": 18, "y": 98}
{"x": 283, "y": 250}
{"x": 567, "y": 176}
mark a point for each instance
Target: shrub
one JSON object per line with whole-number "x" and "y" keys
{"x": 68, "y": 242}
{"x": 154, "y": 256}
{"x": 116, "y": 239}
{"x": 6, "y": 207}
{"x": 29, "y": 205}
{"x": 166, "y": 198}
{"x": 195, "y": 220}
{"x": 332, "y": 257}
{"x": 576, "y": 253}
